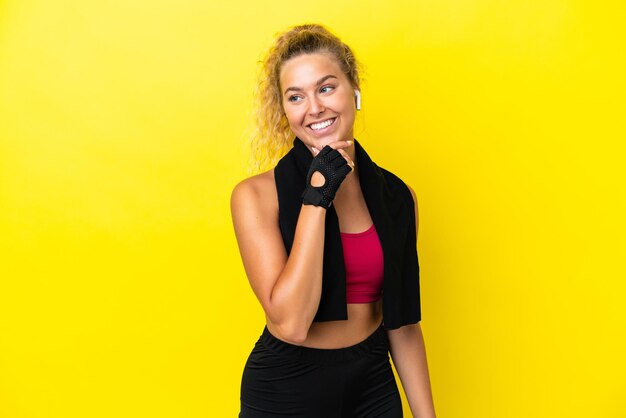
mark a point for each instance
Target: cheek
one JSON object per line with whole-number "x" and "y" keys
{"x": 294, "y": 116}
{"x": 347, "y": 106}
{"x": 346, "y": 103}
{"x": 290, "y": 118}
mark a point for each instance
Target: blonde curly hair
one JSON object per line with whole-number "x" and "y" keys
{"x": 272, "y": 137}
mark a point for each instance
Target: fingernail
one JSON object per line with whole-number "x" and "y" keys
{"x": 350, "y": 142}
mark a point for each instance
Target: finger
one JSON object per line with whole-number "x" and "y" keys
{"x": 335, "y": 155}
{"x": 340, "y": 144}
{"x": 326, "y": 150}
{"x": 344, "y": 167}
{"x": 346, "y": 156}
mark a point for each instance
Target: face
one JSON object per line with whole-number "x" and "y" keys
{"x": 318, "y": 99}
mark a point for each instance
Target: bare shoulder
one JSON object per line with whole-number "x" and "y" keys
{"x": 254, "y": 210}
{"x": 257, "y": 193}
{"x": 263, "y": 182}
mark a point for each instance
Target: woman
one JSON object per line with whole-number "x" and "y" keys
{"x": 328, "y": 242}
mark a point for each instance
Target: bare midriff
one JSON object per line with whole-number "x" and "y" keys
{"x": 363, "y": 319}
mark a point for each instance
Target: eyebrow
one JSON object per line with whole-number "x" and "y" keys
{"x": 320, "y": 81}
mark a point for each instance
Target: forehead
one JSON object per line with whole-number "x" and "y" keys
{"x": 306, "y": 69}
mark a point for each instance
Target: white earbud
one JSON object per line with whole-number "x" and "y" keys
{"x": 358, "y": 99}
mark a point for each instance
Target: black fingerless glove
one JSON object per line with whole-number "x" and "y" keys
{"x": 334, "y": 168}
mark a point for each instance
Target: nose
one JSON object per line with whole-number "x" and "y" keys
{"x": 316, "y": 106}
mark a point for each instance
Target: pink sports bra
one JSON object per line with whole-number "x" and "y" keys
{"x": 363, "y": 257}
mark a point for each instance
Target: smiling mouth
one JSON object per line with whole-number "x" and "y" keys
{"x": 321, "y": 125}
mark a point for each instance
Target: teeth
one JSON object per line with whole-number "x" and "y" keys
{"x": 321, "y": 125}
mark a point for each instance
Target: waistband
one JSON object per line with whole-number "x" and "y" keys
{"x": 375, "y": 340}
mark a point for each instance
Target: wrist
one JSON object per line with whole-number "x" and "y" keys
{"x": 314, "y": 197}
{"x": 313, "y": 212}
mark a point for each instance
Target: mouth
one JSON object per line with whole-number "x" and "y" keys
{"x": 323, "y": 126}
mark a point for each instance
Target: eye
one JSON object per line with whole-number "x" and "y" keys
{"x": 326, "y": 89}
{"x": 294, "y": 98}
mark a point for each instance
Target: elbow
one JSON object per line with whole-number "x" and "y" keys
{"x": 296, "y": 338}
{"x": 290, "y": 325}
{"x": 291, "y": 332}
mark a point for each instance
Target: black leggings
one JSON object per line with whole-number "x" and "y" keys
{"x": 286, "y": 380}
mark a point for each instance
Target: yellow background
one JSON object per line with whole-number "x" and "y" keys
{"x": 122, "y": 127}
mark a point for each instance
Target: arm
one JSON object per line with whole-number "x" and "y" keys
{"x": 288, "y": 287}
{"x": 409, "y": 357}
